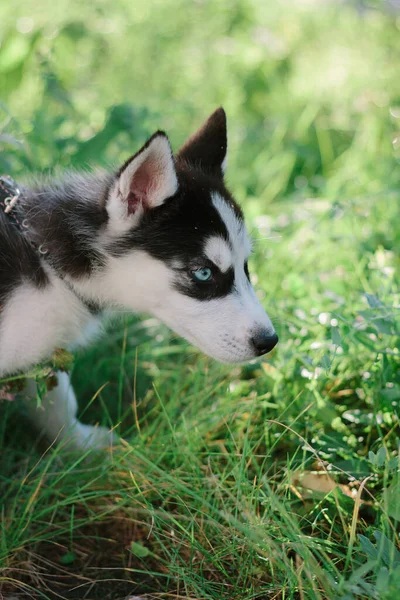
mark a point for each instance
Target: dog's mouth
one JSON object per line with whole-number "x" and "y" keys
{"x": 225, "y": 350}
{"x": 223, "y": 354}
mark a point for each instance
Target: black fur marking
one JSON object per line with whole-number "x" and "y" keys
{"x": 246, "y": 270}
{"x": 219, "y": 286}
{"x": 206, "y": 149}
{"x": 65, "y": 218}
{"x": 178, "y": 229}
{"x": 19, "y": 261}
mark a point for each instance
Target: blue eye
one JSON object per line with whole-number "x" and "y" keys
{"x": 204, "y": 274}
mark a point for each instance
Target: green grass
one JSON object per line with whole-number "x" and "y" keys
{"x": 203, "y": 498}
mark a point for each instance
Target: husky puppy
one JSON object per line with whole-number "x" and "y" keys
{"x": 162, "y": 235}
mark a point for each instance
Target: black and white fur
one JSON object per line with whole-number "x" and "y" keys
{"x": 131, "y": 240}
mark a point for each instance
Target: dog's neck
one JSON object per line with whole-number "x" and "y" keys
{"x": 68, "y": 221}
{"x": 64, "y": 218}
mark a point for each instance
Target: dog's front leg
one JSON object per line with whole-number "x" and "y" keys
{"x": 56, "y": 417}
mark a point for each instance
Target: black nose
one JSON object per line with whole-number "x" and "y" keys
{"x": 263, "y": 342}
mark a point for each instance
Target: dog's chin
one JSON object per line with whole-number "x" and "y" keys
{"x": 234, "y": 362}
{"x": 226, "y": 359}
{"x": 220, "y": 354}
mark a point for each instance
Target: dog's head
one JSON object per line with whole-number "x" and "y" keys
{"x": 179, "y": 245}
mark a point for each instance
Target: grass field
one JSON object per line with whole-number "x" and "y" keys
{"x": 277, "y": 480}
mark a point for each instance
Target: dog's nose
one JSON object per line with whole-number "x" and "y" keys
{"x": 263, "y": 342}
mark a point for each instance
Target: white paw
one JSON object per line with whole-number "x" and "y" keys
{"x": 83, "y": 437}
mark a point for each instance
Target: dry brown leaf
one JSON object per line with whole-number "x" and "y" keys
{"x": 309, "y": 483}
{"x": 270, "y": 369}
{"x": 342, "y": 393}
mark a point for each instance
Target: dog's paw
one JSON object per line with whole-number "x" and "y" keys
{"x": 85, "y": 437}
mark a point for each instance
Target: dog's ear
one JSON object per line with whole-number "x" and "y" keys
{"x": 206, "y": 149}
{"x": 145, "y": 181}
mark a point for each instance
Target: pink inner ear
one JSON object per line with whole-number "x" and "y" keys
{"x": 142, "y": 183}
{"x": 133, "y": 203}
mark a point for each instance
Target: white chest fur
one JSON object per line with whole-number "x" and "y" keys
{"x": 35, "y": 322}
